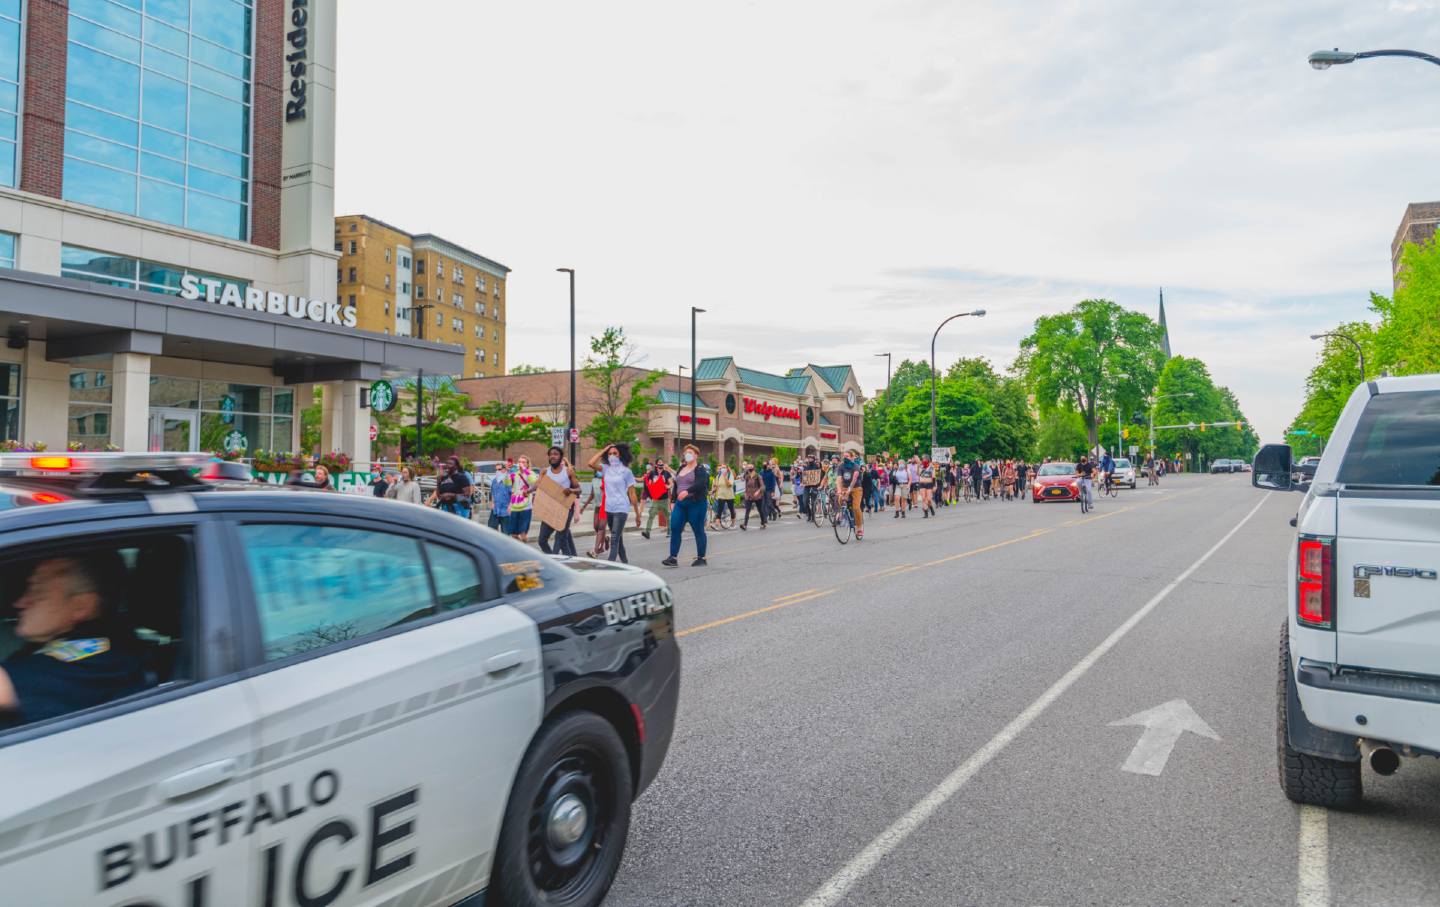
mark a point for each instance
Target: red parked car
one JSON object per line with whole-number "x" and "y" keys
{"x": 1055, "y": 482}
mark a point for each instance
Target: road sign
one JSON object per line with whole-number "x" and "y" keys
{"x": 1299, "y": 431}
{"x": 382, "y": 397}
{"x": 1134, "y": 449}
{"x": 374, "y": 432}
{"x": 574, "y": 436}
{"x": 557, "y": 435}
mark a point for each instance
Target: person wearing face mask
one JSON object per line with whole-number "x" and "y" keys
{"x": 689, "y": 494}
{"x": 558, "y": 471}
{"x": 522, "y": 487}
{"x": 754, "y": 496}
{"x": 620, "y": 500}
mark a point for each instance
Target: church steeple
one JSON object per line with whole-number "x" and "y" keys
{"x": 1164, "y": 331}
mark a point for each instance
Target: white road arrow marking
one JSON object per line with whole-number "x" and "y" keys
{"x": 1163, "y": 726}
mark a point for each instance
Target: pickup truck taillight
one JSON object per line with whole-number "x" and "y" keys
{"x": 1315, "y": 582}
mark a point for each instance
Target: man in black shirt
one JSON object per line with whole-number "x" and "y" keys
{"x": 75, "y": 657}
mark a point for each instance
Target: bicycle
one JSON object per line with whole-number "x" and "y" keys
{"x": 724, "y": 517}
{"x": 1111, "y": 489}
{"x": 842, "y": 518}
{"x": 1086, "y": 502}
{"x": 823, "y": 506}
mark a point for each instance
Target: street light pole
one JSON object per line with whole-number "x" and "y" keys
{"x": 1352, "y": 341}
{"x": 1154, "y": 401}
{"x": 887, "y": 377}
{"x": 978, "y": 313}
{"x": 679, "y": 383}
{"x": 422, "y": 308}
{"x": 1324, "y": 59}
{"x": 693, "y": 312}
{"x": 573, "y": 444}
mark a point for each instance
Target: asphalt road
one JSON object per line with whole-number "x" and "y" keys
{"x": 927, "y": 718}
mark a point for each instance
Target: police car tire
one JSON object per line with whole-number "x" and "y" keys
{"x": 512, "y": 884}
{"x": 1307, "y": 779}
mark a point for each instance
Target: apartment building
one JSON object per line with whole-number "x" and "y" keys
{"x": 423, "y": 286}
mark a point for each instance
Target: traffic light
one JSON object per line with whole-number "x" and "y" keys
{"x": 1239, "y": 426}
{"x": 1126, "y": 434}
{"x": 1202, "y": 426}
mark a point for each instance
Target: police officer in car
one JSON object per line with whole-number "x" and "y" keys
{"x": 76, "y": 656}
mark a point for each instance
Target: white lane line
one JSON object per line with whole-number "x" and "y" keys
{"x": 1314, "y": 887}
{"x": 835, "y": 889}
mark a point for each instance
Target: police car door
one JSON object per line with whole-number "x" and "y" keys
{"x": 395, "y": 705}
{"x": 142, "y": 800}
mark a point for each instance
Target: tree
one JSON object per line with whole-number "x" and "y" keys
{"x": 963, "y": 420}
{"x": 505, "y": 429}
{"x": 1093, "y": 355}
{"x": 440, "y": 417}
{"x": 524, "y": 369}
{"x": 1407, "y": 340}
{"x": 625, "y": 398}
{"x": 310, "y": 418}
{"x": 908, "y": 374}
{"x": 1061, "y": 435}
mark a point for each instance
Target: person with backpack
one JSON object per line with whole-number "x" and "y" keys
{"x": 658, "y": 483}
{"x": 499, "y": 499}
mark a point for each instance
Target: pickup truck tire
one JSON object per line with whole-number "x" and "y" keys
{"x": 1309, "y": 779}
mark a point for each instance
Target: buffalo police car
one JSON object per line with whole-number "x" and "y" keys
{"x": 290, "y": 697}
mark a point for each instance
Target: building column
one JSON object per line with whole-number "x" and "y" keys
{"x": 45, "y": 398}
{"x": 353, "y": 424}
{"x": 740, "y": 457}
{"x": 130, "y": 401}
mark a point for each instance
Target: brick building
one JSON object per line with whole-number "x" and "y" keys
{"x": 1418, "y": 225}
{"x": 739, "y": 412}
{"x": 385, "y": 271}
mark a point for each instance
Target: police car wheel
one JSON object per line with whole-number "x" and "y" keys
{"x": 568, "y": 816}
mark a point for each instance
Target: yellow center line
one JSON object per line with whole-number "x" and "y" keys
{"x": 795, "y": 595}
{"x": 775, "y": 607}
{"x": 955, "y": 557}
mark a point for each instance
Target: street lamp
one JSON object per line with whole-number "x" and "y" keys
{"x": 693, "y": 312}
{"x": 1352, "y": 341}
{"x": 1324, "y": 59}
{"x": 978, "y": 313}
{"x": 887, "y": 376}
{"x": 679, "y": 383}
{"x": 422, "y": 308}
{"x": 571, "y": 427}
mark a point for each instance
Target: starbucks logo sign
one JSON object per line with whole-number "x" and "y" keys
{"x": 382, "y": 396}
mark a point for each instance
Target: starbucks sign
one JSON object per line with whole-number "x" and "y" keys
{"x": 382, "y": 396}
{"x": 235, "y": 442}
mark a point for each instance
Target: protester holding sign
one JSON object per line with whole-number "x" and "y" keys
{"x": 560, "y": 475}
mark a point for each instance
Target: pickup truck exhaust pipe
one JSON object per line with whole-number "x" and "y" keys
{"x": 1382, "y": 758}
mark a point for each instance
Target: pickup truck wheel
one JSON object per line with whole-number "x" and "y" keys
{"x": 1304, "y": 778}
{"x": 567, "y": 819}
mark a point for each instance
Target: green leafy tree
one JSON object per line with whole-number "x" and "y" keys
{"x": 503, "y": 429}
{"x": 1407, "y": 339}
{"x": 907, "y": 375}
{"x": 440, "y": 416}
{"x": 963, "y": 420}
{"x": 1061, "y": 435}
{"x": 1093, "y": 355}
{"x": 526, "y": 369}
{"x": 624, "y": 395}
{"x": 310, "y": 417}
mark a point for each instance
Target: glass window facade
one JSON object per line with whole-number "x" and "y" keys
{"x": 7, "y": 250}
{"x": 90, "y": 400}
{"x": 157, "y": 111}
{"x": 120, "y": 271}
{"x": 10, "y": 50}
{"x": 263, "y": 417}
{"x": 9, "y": 402}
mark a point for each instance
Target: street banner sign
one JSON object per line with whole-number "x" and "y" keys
{"x": 557, "y": 435}
{"x": 382, "y": 397}
{"x": 574, "y": 436}
{"x": 374, "y": 432}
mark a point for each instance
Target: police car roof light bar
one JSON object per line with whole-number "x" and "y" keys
{"x": 50, "y": 464}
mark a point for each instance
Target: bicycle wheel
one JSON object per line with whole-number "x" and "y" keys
{"x": 844, "y": 525}
{"x": 726, "y": 518}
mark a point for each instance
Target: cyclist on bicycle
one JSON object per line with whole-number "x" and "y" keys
{"x": 1107, "y": 470}
{"x": 1086, "y": 470}
{"x": 851, "y": 485}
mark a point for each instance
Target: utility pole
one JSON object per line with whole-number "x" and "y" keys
{"x": 422, "y": 308}
{"x": 887, "y": 377}
{"x": 693, "y": 312}
{"x": 573, "y": 444}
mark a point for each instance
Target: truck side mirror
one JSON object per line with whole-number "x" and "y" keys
{"x": 1271, "y": 468}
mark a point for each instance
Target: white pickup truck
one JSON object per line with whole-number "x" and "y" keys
{"x": 1360, "y": 651}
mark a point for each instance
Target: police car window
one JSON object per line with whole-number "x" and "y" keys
{"x": 1397, "y": 441}
{"x": 319, "y": 585}
{"x": 94, "y": 620}
{"x": 457, "y": 579}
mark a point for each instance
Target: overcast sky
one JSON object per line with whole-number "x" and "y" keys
{"x": 832, "y": 179}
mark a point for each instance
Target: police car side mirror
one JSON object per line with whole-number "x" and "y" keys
{"x": 1271, "y": 468}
